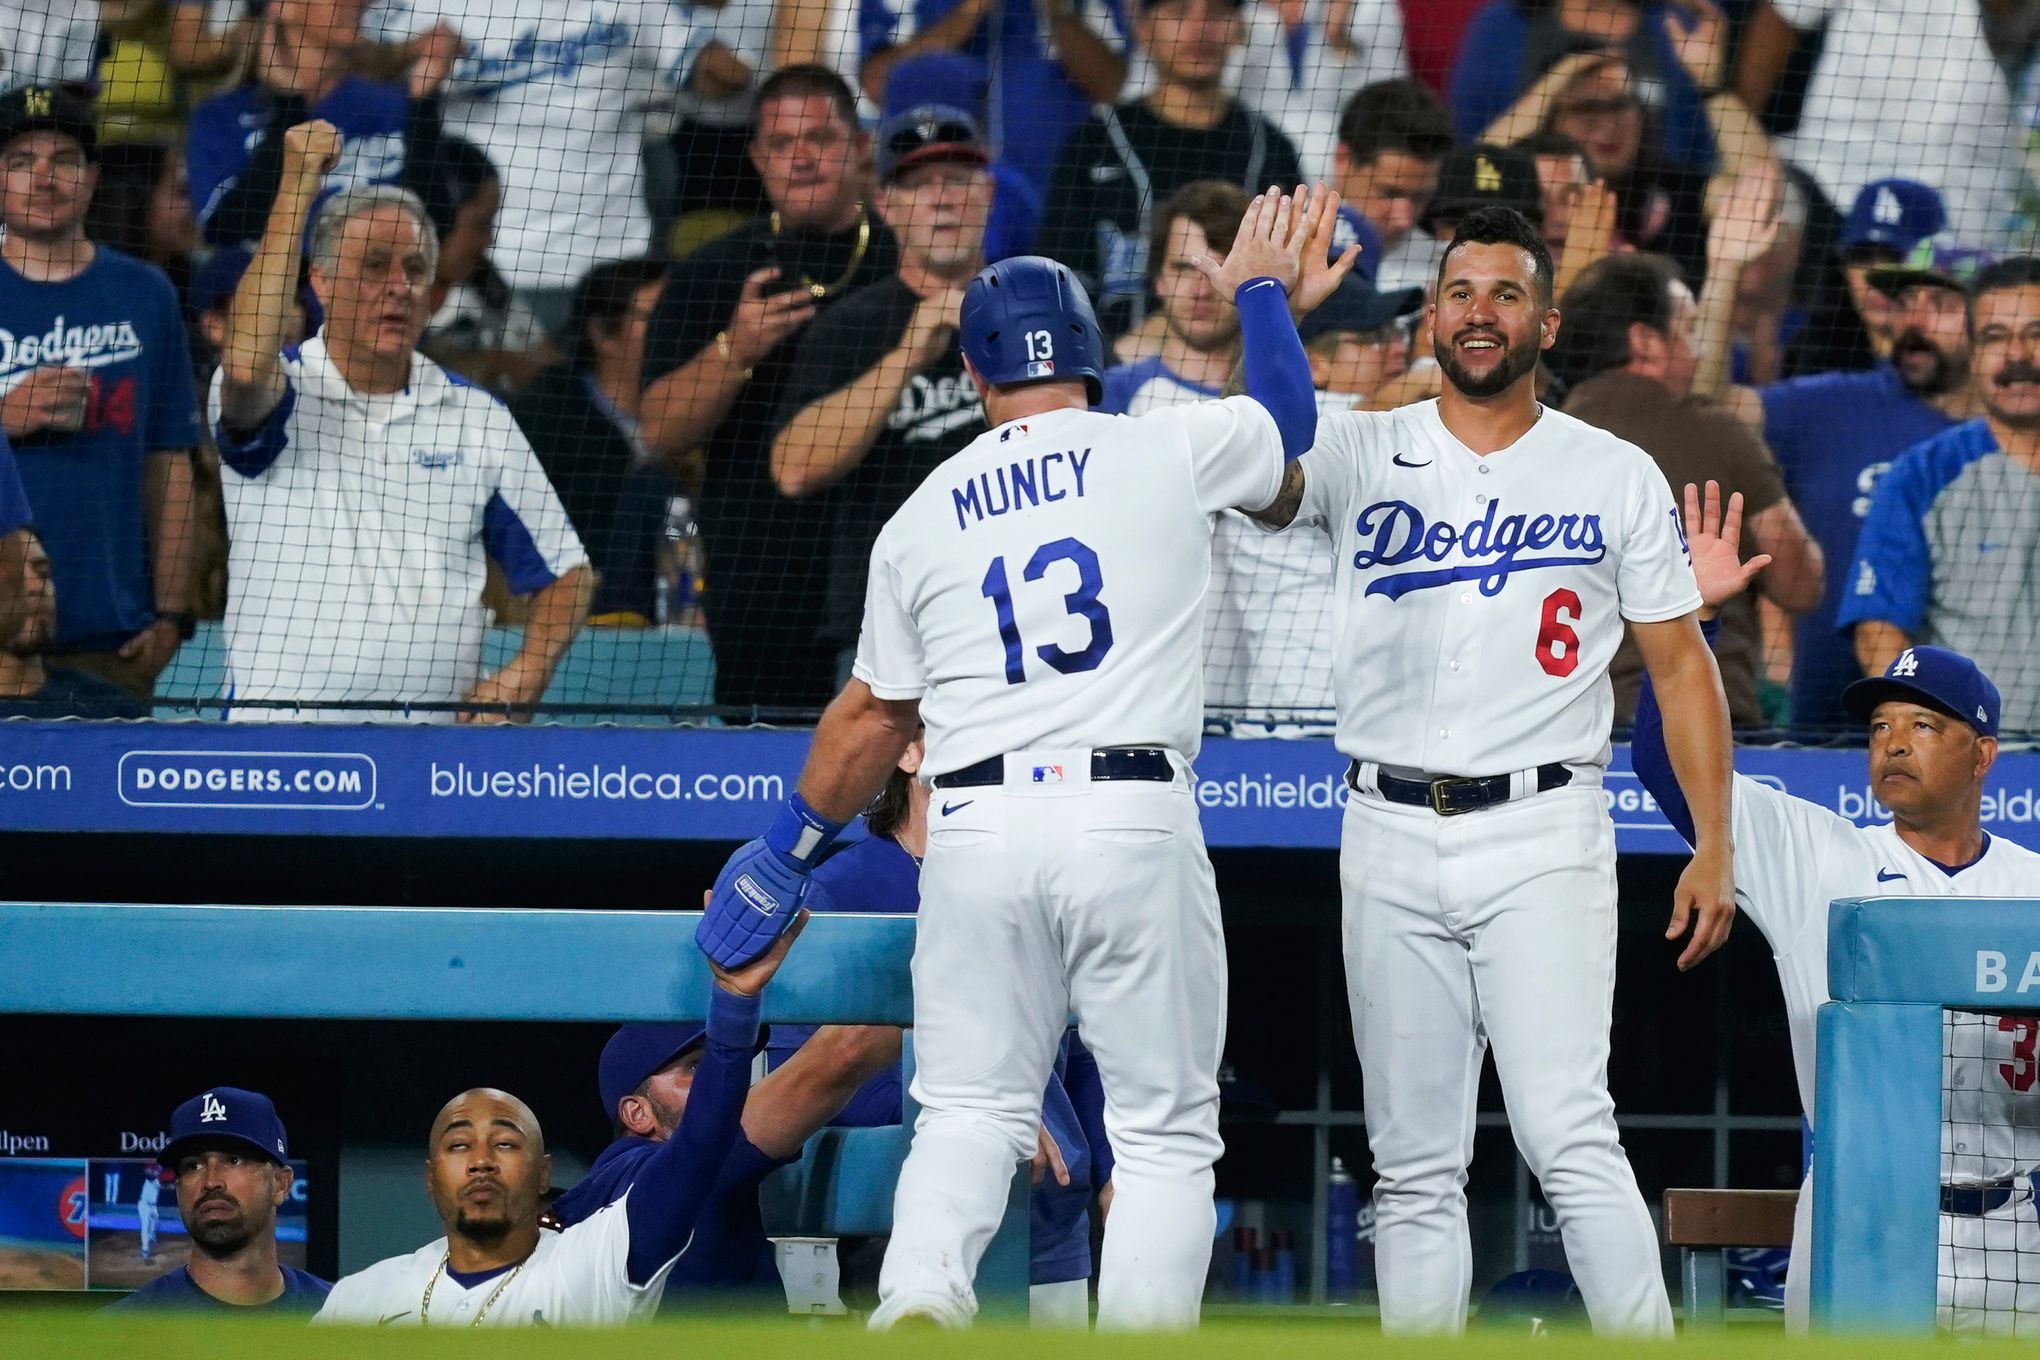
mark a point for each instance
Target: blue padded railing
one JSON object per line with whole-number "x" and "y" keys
{"x": 405, "y": 963}
{"x": 1894, "y": 965}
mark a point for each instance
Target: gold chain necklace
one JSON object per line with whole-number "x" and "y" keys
{"x": 425, "y": 1304}
{"x": 818, "y": 291}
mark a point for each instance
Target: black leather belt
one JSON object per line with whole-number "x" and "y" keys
{"x": 1976, "y": 1200}
{"x": 1449, "y": 796}
{"x": 1107, "y": 763}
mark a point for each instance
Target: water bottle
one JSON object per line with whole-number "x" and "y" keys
{"x": 1342, "y": 1221}
{"x": 677, "y": 586}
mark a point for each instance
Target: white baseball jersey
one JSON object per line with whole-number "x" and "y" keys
{"x": 555, "y": 92}
{"x": 576, "y": 1278}
{"x": 1479, "y": 600}
{"x": 361, "y": 528}
{"x": 47, "y": 41}
{"x": 1045, "y": 586}
{"x": 1268, "y": 616}
{"x": 151, "y": 1193}
{"x": 1792, "y": 859}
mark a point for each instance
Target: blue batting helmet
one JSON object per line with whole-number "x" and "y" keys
{"x": 1027, "y": 319}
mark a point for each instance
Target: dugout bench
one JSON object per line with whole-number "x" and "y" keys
{"x": 406, "y": 963}
{"x": 1703, "y": 1225}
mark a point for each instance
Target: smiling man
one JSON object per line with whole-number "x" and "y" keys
{"x": 1487, "y": 554}
{"x": 231, "y": 1161}
{"x": 367, "y": 488}
{"x": 1932, "y": 721}
{"x": 487, "y": 1171}
{"x": 1949, "y": 553}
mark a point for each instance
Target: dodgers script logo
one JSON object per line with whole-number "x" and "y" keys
{"x": 75, "y": 346}
{"x": 1489, "y": 549}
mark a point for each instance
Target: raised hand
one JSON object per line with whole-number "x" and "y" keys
{"x": 1269, "y": 245}
{"x": 1747, "y": 224}
{"x": 1699, "y": 35}
{"x": 1714, "y": 537}
{"x": 932, "y": 329}
{"x": 1321, "y": 273}
{"x": 310, "y": 150}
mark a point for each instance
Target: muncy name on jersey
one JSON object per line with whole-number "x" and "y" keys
{"x": 1489, "y": 549}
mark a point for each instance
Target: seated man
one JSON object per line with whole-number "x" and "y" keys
{"x": 29, "y": 688}
{"x": 366, "y": 489}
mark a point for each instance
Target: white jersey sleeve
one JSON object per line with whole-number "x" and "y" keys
{"x": 1235, "y": 452}
{"x": 591, "y": 1285}
{"x": 1782, "y": 847}
{"x": 1654, "y": 579}
{"x": 889, "y": 655}
{"x": 529, "y": 532}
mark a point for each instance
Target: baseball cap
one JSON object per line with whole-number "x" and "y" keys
{"x": 214, "y": 282}
{"x": 1935, "y": 678}
{"x": 1485, "y": 175}
{"x": 44, "y": 108}
{"x": 1936, "y": 261}
{"x": 1358, "y": 307}
{"x": 929, "y": 133}
{"x": 954, "y": 80}
{"x": 635, "y": 1052}
{"x": 1895, "y": 213}
{"x": 227, "y": 1114}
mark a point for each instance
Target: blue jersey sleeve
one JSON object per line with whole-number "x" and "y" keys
{"x": 1489, "y": 73}
{"x": 1277, "y": 369}
{"x": 14, "y": 511}
{"x": 679, "y": 1180}
{"x": 1889, "y": 581}
{"x": 877, "y": 23}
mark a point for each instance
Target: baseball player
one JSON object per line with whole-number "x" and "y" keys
{"x": 146, "y": 1211}
{"x": 487, "y": 1170}
{"x": 1037, "y": 602}
{"x": 1933, "y": 722}
{"x": 229, "y": 1158}
{"x": 1489, "y": 552}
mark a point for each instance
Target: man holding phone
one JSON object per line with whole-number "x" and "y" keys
{"x": 97, "y": 399}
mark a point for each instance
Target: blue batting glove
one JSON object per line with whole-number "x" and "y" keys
{"x": 759, "y": 892}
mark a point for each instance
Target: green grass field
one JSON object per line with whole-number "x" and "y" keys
{"x": 71, "y": 1334}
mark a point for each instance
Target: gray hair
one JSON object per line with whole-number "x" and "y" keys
{"x": 337, "y": 211}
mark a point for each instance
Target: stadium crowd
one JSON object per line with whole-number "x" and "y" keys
{"x": 694, "y": 268}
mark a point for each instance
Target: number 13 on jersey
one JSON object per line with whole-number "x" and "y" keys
{"x": 1083, "y": 602}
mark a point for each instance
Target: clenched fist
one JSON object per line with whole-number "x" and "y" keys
{"x": 311, "y": 150}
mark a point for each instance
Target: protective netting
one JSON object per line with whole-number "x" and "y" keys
{"x": 1989, "y": 1273}
{"x": 695, "y": 281}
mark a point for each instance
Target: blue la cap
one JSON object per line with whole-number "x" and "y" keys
{"x": 1357, "y": 307}
{"x": 227, "y": 1114}
{"x": 1936, "y": 678}
{"x": 635, "y": 1052}
{"x": 1353, "y": 229}
{"x": 1896, "y": 213}
{"x": 929, "y": 133}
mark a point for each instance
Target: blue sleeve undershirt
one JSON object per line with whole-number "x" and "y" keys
{"x": 1277, "y": 370}
{"x": 1652, "y": 762}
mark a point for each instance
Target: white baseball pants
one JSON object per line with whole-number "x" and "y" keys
{"x": 1496, "y": 926}
{"x": 1038, "y": 899}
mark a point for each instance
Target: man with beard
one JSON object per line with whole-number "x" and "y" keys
{"x": 1950, "y": 551}
{"x": 487, "y": 1171}
{"x": 718, "y": 353}
{"x": 1487, "y": 553}
{"x": 232, "y": 1162}
{"x": 29, "y": 686}
{"x": 1834, "y": 434}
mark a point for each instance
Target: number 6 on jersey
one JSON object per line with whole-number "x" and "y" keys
{"x": 1083, "y": 602}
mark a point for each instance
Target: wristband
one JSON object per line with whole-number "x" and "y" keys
{"x": 800, "y": 834}
{"x": 733, "y": 1019}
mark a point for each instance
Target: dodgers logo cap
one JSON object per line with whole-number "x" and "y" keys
{"x": 1897, "y": 214}
{"x": 227, "y": 1116}
{"x": 1935, "y": 678}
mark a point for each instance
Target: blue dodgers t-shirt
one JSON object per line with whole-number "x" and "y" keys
{"x": 876, "y": 876}
{"x": 14, "y": 509}
{"x": 119, "y": 320}
{"x": 178, "y": 1292}
{"x": 1833, "y": 435}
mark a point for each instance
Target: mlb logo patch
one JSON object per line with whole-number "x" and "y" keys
{"x": 1018, "y": 429}
{"x": 1048, "y": 774}
{"x": 1041, "y": 368}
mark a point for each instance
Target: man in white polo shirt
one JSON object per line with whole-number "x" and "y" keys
{"x": 366, "y": 487}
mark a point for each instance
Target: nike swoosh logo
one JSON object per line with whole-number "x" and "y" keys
{"x": 1398, "y": 461}
{"x": 386, "y": 1321}
{"x": 1889, "y": 876}
{"x": 948, "y": 808}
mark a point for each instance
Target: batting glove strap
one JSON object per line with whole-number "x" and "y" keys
{"x": 801, "y": 834}
{"x": 733, "y": 1020}
{"x": 756, "y": 897}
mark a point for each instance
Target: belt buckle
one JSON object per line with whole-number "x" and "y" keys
{"x": 1441, "y": 795}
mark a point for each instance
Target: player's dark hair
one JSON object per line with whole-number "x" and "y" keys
{"x": 1611, "y": 295}
{"x": 803, "y": 79}
{"x": 602, "y": 301}
{"x": 2014, "y": 271}
{"x": 1395, "y": 115}
{"x": 1213, "y": 204}
{"x": 888, "y": 812}
{"x": 1498, "y": 226}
